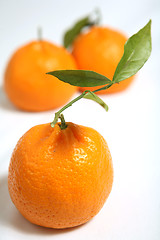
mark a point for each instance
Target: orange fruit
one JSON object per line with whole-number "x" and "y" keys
{"x": 26, "y": 83}
{"x": 100, "y": 50}
{"x": 60, "y": 178}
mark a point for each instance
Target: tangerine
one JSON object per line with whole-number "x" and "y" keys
{"x": 100, "y": 50}
{"x": 25, "y": 82}
{"x": 60, "y": 178}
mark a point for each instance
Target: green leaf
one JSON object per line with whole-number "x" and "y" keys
{"x": 73, "y": 32}
{"x": 81, "y": 78}
{"x": 136, "y": 52}
{"x": 92, "y": 96}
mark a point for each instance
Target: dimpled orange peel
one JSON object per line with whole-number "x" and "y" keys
{"x": 60, "y": 178}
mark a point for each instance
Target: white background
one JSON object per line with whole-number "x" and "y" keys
{"x": 131, "y": 127}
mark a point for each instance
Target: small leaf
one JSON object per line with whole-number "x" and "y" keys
{"x": 81, "y": 78}
{"x": 136, "y": 52}
{"x": 92, "y": 96}
{"x": 86, "y": 94}
{"x": 73, "y": 32}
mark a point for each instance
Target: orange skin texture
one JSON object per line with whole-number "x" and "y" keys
{"x": 100, "y": 50}
{"x": 26, "y": 83}
{"x": 60, "y": 178}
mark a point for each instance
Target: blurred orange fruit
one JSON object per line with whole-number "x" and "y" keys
{"x": 100, "y": 50}
{"x": 60, "y": 178}
{"x": 26, "y": 83}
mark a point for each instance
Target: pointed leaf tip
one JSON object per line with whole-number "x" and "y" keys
{"x": 92, "y": 96}
{"x": 136, "y": 52}
{"x": 81, "y": 78}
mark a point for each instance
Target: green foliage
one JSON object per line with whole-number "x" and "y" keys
{"x": 81, "y": 78}
{"x": 136, "y": 52}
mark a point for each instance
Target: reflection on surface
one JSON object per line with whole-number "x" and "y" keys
{"x": 12, "y": 219}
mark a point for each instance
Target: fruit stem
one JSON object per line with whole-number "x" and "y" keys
{"x": 96, "y": 17}
{"x": 39, "y": 33}
{"x": 63, "y": 124}
{"x": 86, "y": 94}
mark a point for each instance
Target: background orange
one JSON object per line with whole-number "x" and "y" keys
{"x": 26, "y": 83}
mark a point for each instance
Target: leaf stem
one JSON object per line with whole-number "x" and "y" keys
{"x": 91, "y": 96}
{"x": 57, "y": 114}
{"x": 103, "y": 88}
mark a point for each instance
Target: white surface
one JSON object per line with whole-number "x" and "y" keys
{"x": 131, "y": 127}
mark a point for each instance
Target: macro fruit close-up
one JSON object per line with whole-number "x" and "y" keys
{"x": 61, "y": 174}
{"x": 60, "y": 178}
{"x": 25, "y": 82}
{"x": 79, "y": 112}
